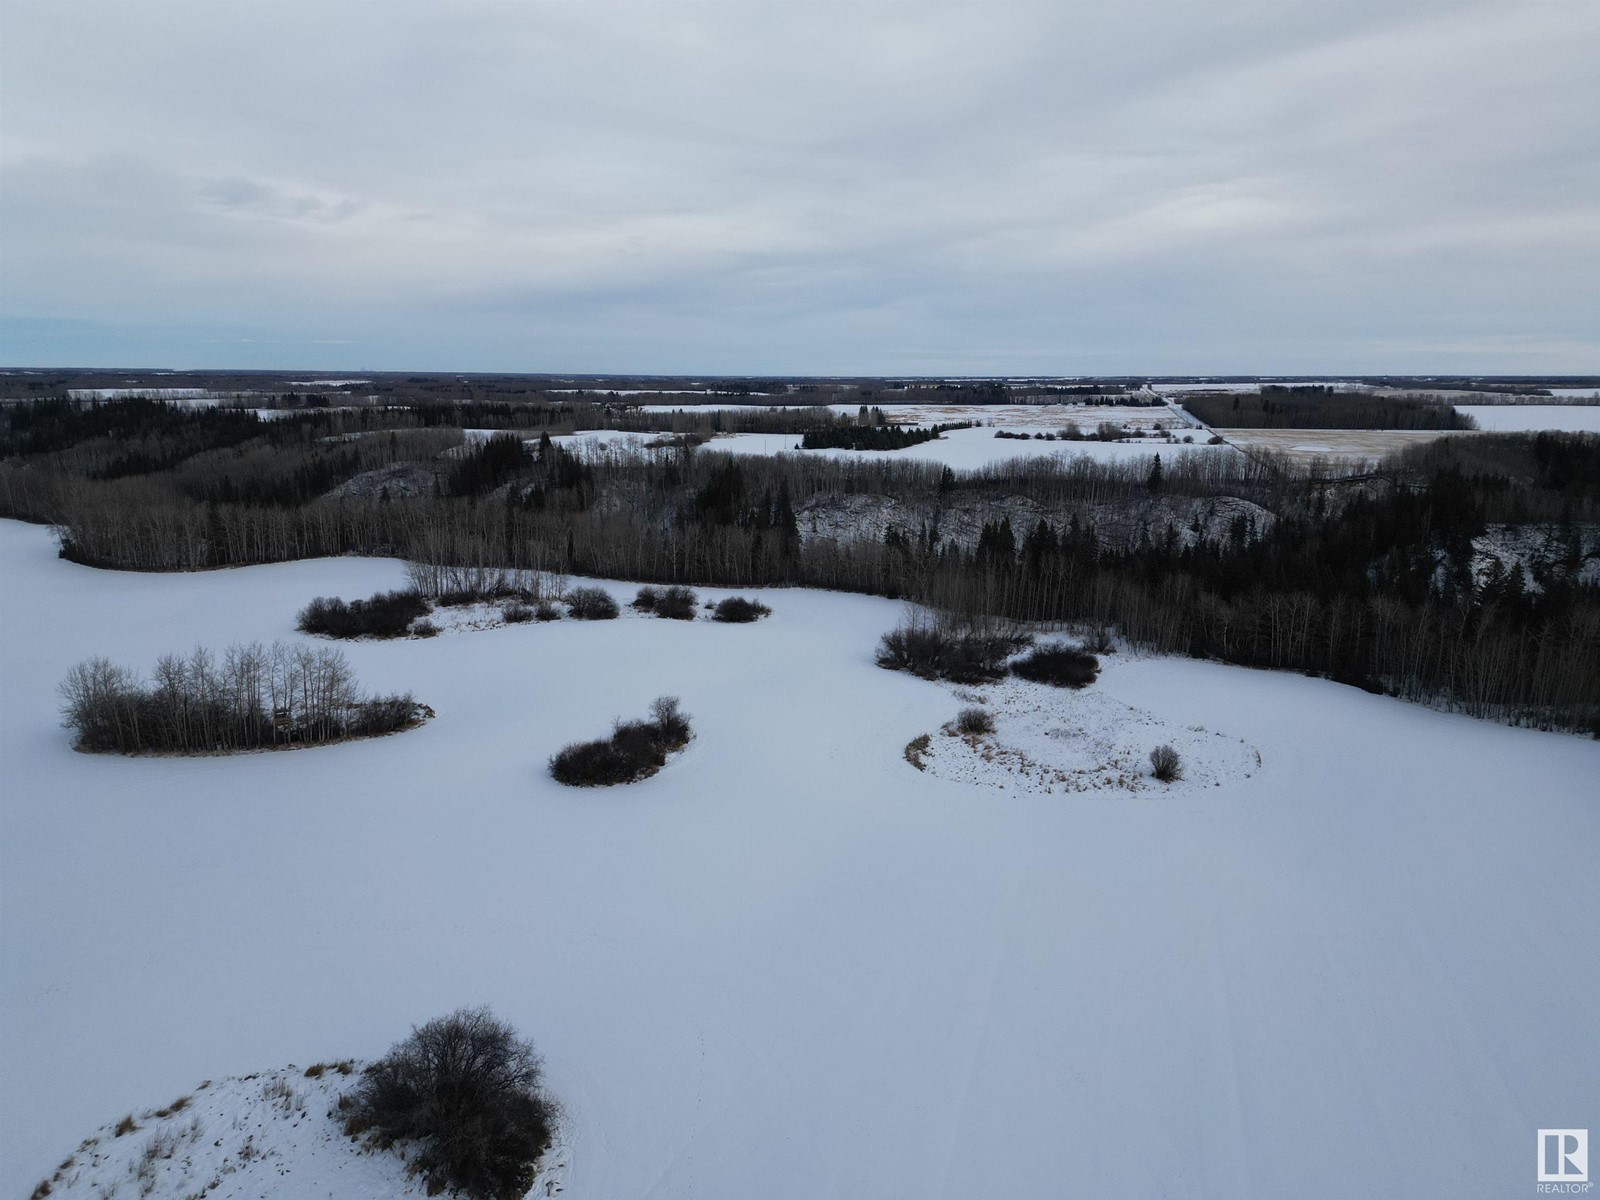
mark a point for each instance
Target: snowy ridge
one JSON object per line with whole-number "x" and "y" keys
{"x": 273, "y": 1134}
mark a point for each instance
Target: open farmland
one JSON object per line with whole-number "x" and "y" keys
{"x": 1364, "y": 445}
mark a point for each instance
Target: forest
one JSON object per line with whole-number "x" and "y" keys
{"x": 1322, "y": 408}
{"x": 1370, "y": 577}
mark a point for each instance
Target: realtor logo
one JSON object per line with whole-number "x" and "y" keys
{"x": 1564, "y": 1156}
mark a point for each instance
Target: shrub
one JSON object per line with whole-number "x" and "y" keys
{"x": 939, "y": 653}
{"x": 1099, "y": 640}
{"x": 593, "y": 604}
{"x": 516, "y": 613}
{"x": 975, "y": 721}
{"x": 635, "y": 750}
{"x": 547, "y": 612}
{"x": 1165, "y": 765}
{"x": 425, "y": 629}
{"x": 466, "y": 1093}
{"x": 646, "y": 599}
{"x": 386, "y": 615}
{"x": 916, "y": 748}
{"x": 676, "y": 604}
{"x": 1059, "y": 665}
{"x": 738, "y": 610}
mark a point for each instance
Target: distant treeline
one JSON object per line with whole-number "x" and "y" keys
{"x": 876, "y": 437}
{"x": 1318, "y": 409}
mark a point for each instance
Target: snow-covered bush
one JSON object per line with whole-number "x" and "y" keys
{"x": 516, "y": 613}
{"x": 635, "y": 750}
{"x": 1059, "y": 665}
{"x": 591, "y": 604}
{"x": 386, "y": 615}
{"x": 1165, "y": 765}
{"x": 465, "y": 1095}
{"x": 739, "y": 609}
{"x": 545, "y": 611}
{"x": 646, "y": 599}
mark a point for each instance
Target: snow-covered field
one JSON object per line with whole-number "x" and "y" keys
{"x": 969, "y": 449}
{"x": 792, "y": 965}
{"x": 1512, "y": 418}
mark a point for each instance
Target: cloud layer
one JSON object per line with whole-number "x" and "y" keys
{"x": 1157, "y": 186}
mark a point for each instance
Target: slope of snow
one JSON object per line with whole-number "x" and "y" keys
{"x": 1534, "y": 418}
{"x": 791, "y": 965}
{"x": 1048, "y": 740}
{"x": 270, "y": 1134}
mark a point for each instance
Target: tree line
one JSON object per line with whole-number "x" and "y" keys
{"x": 1368, "y": 575}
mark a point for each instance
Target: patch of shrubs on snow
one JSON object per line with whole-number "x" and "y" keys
{"x": 635, "y": 750}
{"x": 386, "y": 615}
{"x": 1059, "y": 665}
{"x": 1165, "y": 764}
{"x": 591, "y": 604}
{"x": 940, "y": 650}
{"x": 739, "y": 610}
{"x": 516, "y": 613}
{"x": 675, "y": 603}
{"x": 464, "y": 1097}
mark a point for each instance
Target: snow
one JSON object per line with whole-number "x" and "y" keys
{"x": 1510, "y": 418}
{"x": 791, "y": 965}
{"x": 272, "y": 1133}
{"x": 1048, "y": 741}
{"x": 963, "y": 449}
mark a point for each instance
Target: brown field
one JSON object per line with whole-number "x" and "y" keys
{"x": 1365, "y": 445}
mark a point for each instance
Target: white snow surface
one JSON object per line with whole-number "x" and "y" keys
{"x": 1534, "y": 418}
{"x": 791, "y": 965}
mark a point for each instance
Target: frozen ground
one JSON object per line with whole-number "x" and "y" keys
{"x": 1355, "y": 445}
{"x": 791, "y": 965}
{"x": 1051, "y": 741}
{"x": 1508, "y": 418}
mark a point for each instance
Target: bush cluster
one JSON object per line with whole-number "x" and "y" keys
{"x": 936, "y": 652}
{"x": 252, "y": 697}
{"x": 675, "y": 603}
{"x": 1059, "y": 665}
{"x": 465, "y": 1094}
{"x": 591, "y": 604}
{"x": 386, "y": 615}
{"x": 635, "y": 750}
{"x": 739, "y": 610}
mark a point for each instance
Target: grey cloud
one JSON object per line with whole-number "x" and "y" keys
{"x": 1155, "y": 186}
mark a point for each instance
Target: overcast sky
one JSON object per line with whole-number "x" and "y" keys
{"x": 1202, "y": 186}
